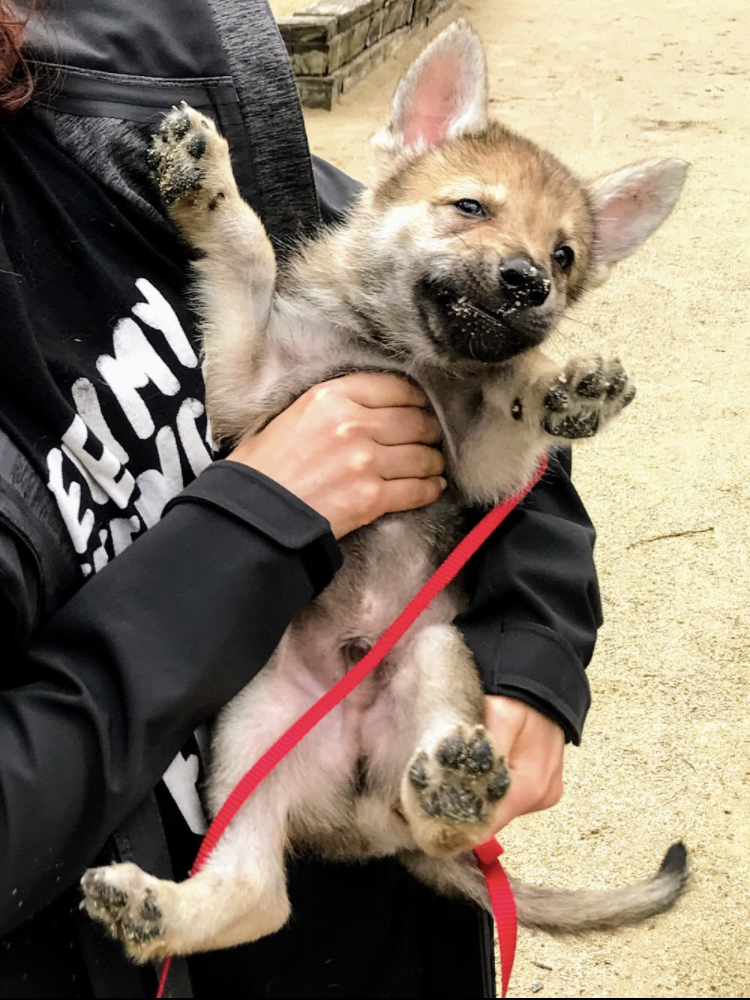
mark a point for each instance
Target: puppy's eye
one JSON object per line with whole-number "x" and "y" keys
{"x": 564, "y": 257}
{"x": 469, "y": 206}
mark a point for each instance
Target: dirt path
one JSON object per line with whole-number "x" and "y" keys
{"x": 667, "y": 745}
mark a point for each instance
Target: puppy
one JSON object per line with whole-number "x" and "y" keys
{"x": 451, "y": 270}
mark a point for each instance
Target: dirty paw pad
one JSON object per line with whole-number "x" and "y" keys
{"x": 178, "y": 152}
{"x": 462, "y": 780}
{"x": 121, "y": 898}
{"x": 585, "y": 395}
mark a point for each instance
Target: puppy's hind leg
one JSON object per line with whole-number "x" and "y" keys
{"x": 239, "y": 896}
{"x": 452, "y": 787}
{"x": 236, "y": 268}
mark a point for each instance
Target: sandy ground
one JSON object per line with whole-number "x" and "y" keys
{"x": 666, "y": 748}
{"x": 285, "y": 8}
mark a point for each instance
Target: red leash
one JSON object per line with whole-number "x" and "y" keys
{"x": 503, "y": 905}
{"x": 487, "y": 854}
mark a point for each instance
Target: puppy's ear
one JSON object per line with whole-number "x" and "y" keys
{"x": 443, "y": 94}
{"x": 629, "y": 205}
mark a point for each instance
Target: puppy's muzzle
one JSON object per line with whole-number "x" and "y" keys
{"x": 523, "y": 282}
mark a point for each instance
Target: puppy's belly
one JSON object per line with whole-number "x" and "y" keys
{"x": 329, "y": 806}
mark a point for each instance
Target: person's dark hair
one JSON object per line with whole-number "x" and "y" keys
{"x": 16, "y": 81}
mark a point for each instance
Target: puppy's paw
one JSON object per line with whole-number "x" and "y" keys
{"x": 126, "y": 901}
{"x": 458, "y": 785}
{"x": 584, "y": 396}
{"x": 192, "y": 169}
{"x": 177, "y": 156}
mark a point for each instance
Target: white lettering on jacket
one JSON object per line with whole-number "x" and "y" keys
{"x": 90, "y": 473}
{"x": 157, "y": 313}
{"x": 181, "y": 778}
{"x": 134, "y": 365}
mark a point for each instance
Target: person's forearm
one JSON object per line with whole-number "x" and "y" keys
{"x": 155, "y": 643}
{"x": 535, "y": 609}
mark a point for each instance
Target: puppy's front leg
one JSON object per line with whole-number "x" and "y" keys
{"x": 454, "y": 782}
{"x": 236, "y": 269}
{"x": 572, "y": 401}
{"x": 530, "y": 404}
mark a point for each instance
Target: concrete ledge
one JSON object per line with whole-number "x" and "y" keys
{"x": 333, "y": 44}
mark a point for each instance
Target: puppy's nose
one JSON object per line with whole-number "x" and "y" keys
{"x": 529, "y": 282}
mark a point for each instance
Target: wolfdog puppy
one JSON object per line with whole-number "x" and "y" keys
{"x": 452, "y": 270}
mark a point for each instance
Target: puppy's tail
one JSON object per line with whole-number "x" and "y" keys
{"x": 576, "y": 910}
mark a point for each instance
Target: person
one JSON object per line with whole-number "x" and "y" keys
{"x": 143, "y": 583}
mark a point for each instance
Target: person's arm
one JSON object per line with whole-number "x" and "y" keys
{"x": 532, "y": 626}
{"x": 535, "y": 606}
{"x": 151, "y": 646}
{"x": 109, "y": 689}
{"x": 336, "y": 191}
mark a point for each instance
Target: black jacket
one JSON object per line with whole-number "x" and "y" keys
{"x": 104, "y": 683}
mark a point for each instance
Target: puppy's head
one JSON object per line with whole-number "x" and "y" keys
{"x": 491, "y": 236}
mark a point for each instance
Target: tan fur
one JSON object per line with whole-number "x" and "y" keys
{"x": 419, "y": 283}
{"x": 543, "y": 203}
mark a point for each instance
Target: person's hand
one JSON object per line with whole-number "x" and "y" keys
{"x": 353, "y": 449}
{"x": 533, "y": 747}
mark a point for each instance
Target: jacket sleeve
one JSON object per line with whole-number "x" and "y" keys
{"x": 336, "y": 191}
{"x": 118, "y": 678}
{"x": 534, "y": 602}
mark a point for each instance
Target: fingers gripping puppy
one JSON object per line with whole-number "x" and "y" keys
{"x": 452, "y": 270}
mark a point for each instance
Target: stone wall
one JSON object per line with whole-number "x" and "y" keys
{"x": 334, "y": 43}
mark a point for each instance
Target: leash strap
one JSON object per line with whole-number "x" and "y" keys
{"x": 503, "y": 905}
{"x": 443, "y": 575}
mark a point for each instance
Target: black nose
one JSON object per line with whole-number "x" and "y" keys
{"x": 528, "y": 282}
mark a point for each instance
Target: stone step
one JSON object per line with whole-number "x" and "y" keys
{"x": 335, "y": 43}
